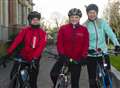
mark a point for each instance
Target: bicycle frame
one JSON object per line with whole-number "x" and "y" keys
{"x": 102, "y": 73}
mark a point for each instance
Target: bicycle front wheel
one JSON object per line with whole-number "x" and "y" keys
{"x": 63, "y": 82}
{"x": 26, "y": 85}
{"x": 108, "y": 81}
{"x": 104, "y": 82}
{"x": 60, "y": 83}
{"x": 100, "y": 82}
{"x": 14, "y": 83}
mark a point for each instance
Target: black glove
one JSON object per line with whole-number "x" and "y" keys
{"x": 91, "y": 51}
{"x": 83, "y": 62}
{"x": 63, "y": 58}
{"x": 117, "y": 48}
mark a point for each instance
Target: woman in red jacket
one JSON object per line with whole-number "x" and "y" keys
{"x": 34, "y": 40}
{"x": 72, "y": 42}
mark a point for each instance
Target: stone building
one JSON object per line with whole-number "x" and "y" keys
{"x": 13, "y": 14}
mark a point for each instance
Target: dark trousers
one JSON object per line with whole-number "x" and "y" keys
{"x": 91, "y": 66}
{"x": 33, "y": 73}
{"x": 74, "y": 70}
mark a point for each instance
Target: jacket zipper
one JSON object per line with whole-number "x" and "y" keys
{"x": 96, "y": 35}
{"x": 35, "y": 37}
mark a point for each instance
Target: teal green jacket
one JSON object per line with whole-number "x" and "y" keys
{"x": 97, "y": 31}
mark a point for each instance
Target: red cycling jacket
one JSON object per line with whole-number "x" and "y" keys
{"x": 34, "y": 42}
{"x": 73, "y": 43}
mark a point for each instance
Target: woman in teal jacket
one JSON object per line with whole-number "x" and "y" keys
{"x": 98, "y": 29}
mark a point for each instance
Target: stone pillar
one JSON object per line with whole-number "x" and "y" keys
{"x": 1, "y": 19}
{"x": 5, "y": 20}
{"x": 12, "y": 12}
{"x": 1, "y": 10}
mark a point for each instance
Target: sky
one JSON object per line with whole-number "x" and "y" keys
{"x": 51, "y": 9}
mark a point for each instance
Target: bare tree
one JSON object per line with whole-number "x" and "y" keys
{"x": 112, "y": 14}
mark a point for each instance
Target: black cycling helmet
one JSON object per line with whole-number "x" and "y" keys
{"x": 92, "y": 7}
{"x": 33, "y": 14}
{"x": 75, "y": 11}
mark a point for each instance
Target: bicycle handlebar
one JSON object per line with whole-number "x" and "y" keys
{"x": 113, "y": 52}
{"x": 55, "y": 56}
{"x": 32, "y": 63}
{"x": 100, "y": 52}
{"x": 6, "y": 58}
{"x": 19, "y": 59}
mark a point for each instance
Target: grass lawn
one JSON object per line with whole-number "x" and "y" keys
{"x": 115, "y": 61}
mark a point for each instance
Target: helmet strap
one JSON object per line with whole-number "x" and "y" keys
{"x": 35, "y": 26}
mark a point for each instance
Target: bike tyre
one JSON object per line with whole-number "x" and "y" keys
{"x": 60, "y": 83}
{"x": 109, "y": 80}
{"x": 26, "y": 85}
{"x": 100, "y": 82}
{"x": 14, "y": 83}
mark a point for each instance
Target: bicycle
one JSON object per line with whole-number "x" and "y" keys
{"x": 21, "y": 78}
{"x": 64, "y": 78}
{"x": 103, "y": 76}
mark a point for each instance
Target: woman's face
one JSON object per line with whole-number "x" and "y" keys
{"x": 35, "y": 21}
{"x": 92, "y": 15}
{"x": 74, "y": 19}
